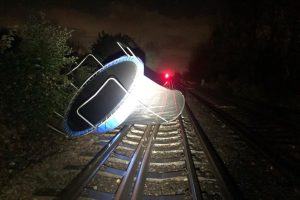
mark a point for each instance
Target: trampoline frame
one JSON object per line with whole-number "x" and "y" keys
{"x": 111, "y": 116}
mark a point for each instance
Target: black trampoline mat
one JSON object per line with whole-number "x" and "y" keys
{"x": 106, "y": 101}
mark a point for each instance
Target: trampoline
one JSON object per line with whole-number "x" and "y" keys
{"x": 119, "y": 93}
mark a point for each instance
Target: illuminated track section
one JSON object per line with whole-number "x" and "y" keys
{"x": 163, "y": 161}
{"x": 169, "y": 161}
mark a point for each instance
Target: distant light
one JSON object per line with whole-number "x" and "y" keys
{"x": 167, "y": 75}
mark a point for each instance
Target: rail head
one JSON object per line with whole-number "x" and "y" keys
{"x": 230, "y": 189}
{"x": 76, "y": 186}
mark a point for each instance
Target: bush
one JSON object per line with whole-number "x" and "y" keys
{"x": 31, "y": 80}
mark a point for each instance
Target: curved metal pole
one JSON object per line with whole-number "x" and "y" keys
{"x": 121, "y": 46}
{"x": 82, "y": 62}
{"x": 128, "y": 49}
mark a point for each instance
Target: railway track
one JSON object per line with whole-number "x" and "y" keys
{"x": 167, "y": 161}
{"x": 287, "y": 117}
{"x": 276, "y": 141}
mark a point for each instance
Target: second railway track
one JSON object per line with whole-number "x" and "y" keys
{"x": 277, "y": 141}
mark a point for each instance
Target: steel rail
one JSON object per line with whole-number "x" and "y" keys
{"x": 138, "y": 191}
{"x": 259, "y": 108}
{"x": 283, "y": 165}
{"x": 76, "y": 186}
{"x": 229, "y": 187}
{"x": 127, "y": 181}
{"x": 192, "y": 175}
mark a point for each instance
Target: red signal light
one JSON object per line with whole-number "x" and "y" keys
{"x": 167, "y": 75}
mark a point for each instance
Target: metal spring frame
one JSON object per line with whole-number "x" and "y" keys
{"x": 123, "y": 47}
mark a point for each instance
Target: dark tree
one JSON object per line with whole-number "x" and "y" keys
{"x": 106, "y": 44}
{"x": 106, "y": 49}
{"x": 199, "y": 63}
{"x": 254, "y": 46}
{"x": 31, "y": 79}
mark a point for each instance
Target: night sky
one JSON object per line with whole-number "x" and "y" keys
{"x": 166, "y": 30}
